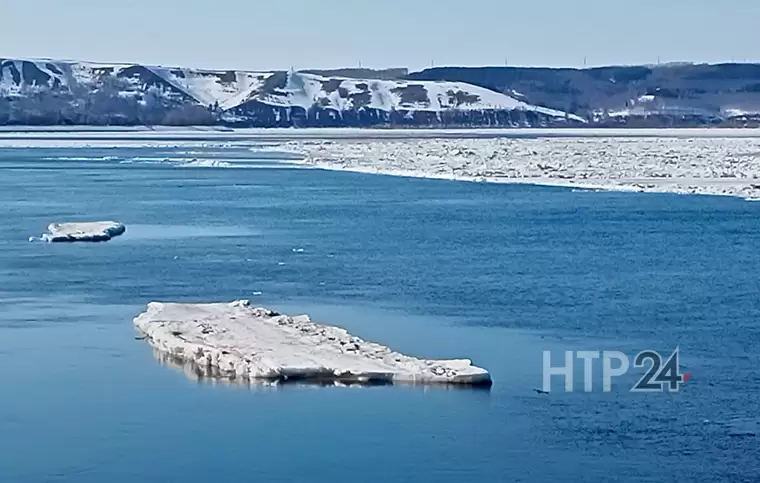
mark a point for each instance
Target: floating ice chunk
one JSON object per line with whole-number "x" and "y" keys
{"x": 206, "y": 163}
{"x": 298, "y": 250}
{"x": 93, "y": 231}
{"x": 240, "y": 342}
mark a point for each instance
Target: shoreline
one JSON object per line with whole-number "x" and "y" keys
{"x": 317, "y": 133}
{"x": 585, "y": 185}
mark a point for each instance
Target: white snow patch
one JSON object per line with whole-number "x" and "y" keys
{"x": 237, "y": 341}
{"x": 738, "y": 112}
{"x": 225, "y": 88}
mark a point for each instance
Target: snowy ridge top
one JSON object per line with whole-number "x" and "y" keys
{"x": 237, "y": 341}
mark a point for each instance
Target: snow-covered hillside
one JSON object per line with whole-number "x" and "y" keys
{"x": 225, "y": 88}
{"x": 667, "y": 95}
{"x": 307, "y": 90}
{"x": 50, "y": 91}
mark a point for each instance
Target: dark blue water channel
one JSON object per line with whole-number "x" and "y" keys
{"x": 496, "y": 273}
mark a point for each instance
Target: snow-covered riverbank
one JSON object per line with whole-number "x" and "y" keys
{"x": 715, "y": 166}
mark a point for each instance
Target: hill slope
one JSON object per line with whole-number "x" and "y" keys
{"x": 665, "y": 95}
{"x": 67, "y": 92}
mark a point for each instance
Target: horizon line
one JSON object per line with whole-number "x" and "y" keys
{"x": 368, "y": 68}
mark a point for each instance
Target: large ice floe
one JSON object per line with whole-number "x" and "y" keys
{"x": 237, "y": 341}
{"x": 686, "y": 165}
{"x": 93, "y": 231}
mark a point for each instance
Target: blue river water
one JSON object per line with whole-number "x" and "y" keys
{"x": 496, "y": 273}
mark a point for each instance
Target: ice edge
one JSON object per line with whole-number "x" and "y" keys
{"x": 235, "y": 341}
{"x": 97, "y": 231}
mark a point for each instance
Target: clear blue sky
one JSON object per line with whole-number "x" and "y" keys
{"x": 278, "y": 34}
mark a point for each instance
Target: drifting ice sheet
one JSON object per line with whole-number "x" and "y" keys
{"x": 88, "y": 231}
{"x": 690, "y": 165}
{"x": 237, "y": 341}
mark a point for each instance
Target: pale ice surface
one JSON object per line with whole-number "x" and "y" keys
{"x": 206, "y": 163}
{"x": 92, "y": 231}
{"x": 236, "y": 341}
{"x": 698, "y": 165}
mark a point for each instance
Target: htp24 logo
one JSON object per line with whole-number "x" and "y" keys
{"x": 661, "y": 373}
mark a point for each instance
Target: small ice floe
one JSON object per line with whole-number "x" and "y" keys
{"x": 280, "y": 263}
{"x": 81, "y": 158}
{"x": 587, "y": 190}
{"x": 206, "y": 163}
{"x": 298, "y": 250}
{"x": 257, "y": 293}
{"x": 236, "y": 341}
{"x": 91, "y": 231}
